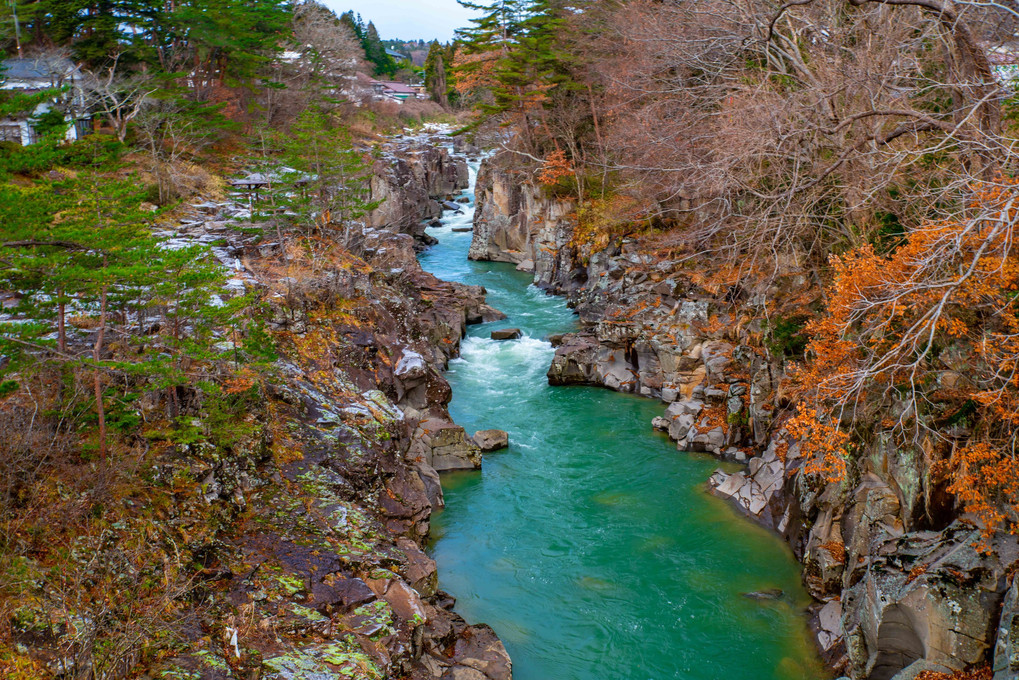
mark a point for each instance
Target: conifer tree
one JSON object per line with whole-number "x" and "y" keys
{"x": 436, "y": 80}
{"x": 82, "y": 247}
{"x": 496, "y": 28}
{"x": 327, "y": 185}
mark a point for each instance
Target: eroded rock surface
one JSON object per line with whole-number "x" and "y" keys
{"x": 325, "y": 576}
{"x": 897, "y": 584}
{"x": 413, "y": 179}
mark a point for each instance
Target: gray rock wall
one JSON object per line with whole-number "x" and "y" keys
{"x": 896, "y": 584}
{"x": 514, "y": 222}
{"x": 410, "y": 178}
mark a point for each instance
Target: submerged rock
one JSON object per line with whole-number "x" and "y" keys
{"x": 507, "y": 334}
{"x": 766, "y": 594}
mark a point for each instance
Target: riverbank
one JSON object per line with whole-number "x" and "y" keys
{"x": 271, "y": 528}
{"x": 894, "y": 573}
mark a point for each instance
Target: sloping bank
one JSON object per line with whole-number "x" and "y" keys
{"x": 310, "y": 530}
{"x": 899, "y": 587}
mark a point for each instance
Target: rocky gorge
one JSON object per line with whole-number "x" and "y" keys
{"x": 307, "y": 529}
{"x": 902, "y": 585}
{"x": 329, "y": 574}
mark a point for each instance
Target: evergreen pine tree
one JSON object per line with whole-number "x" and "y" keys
{"x": 435, "y": 74}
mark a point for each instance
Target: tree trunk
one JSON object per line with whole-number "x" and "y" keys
{"x": 96, "y": 382}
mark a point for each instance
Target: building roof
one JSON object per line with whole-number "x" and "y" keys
{"x": 41, "y": 68}
{"x": 398, "y": 88}
{"x": 394, "y": 53}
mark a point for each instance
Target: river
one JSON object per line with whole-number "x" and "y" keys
{"x": 591, "y": 545}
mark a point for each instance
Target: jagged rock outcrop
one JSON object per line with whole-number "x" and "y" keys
{"x": 410, "y": 179}
{"x": 925, "y": 595}
{"x": 1006, "y": 650}
{"x": 327, "y": 577}
{"x": 514, "y": 222}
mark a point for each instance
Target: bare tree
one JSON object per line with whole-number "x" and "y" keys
{"x": 776, "y": 133}
{"x": 117, "y": 96}
{"x": 320, "y": 63}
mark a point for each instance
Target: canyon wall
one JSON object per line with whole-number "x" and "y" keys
{"x": 292, "y": 548}
{"x": 899, "y": 583}
{"x": 411, "y": 178}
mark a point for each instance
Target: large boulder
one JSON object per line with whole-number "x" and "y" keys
{"x": 758, "y": 490}
{"x": 574, "y": 360}
{"x": 445, "y": 446}
{"x": 491, "y": 440}
{"x": 417, "y": 384}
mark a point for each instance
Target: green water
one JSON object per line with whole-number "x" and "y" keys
{"x": 591, "y": 545}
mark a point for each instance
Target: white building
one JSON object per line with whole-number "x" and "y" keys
{"x": 35, "y": 74}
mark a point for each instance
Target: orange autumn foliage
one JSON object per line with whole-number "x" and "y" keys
{"x": 474, "y": 71}
{"x": 928, "y": 335}
{"x": 826, "y": 446}
{"x": 556, "y": 167}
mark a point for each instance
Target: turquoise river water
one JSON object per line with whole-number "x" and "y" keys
{"x": 591, "y": 545}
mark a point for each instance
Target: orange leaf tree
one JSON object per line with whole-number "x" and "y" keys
{"x": 924, "y": 341}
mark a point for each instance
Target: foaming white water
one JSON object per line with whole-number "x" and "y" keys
{"x": 464, "y": 218}
{"x": 523, "y": 353}
{"x": 493, "y": 363}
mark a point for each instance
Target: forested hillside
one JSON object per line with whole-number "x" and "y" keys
{"x": 197, "y": 348}
{"x": 222, "y": 408}
{"x": 868, "y": 145}
{"x": 819, "y": 196}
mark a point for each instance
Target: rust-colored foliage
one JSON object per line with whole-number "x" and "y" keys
{"x": 826, "y": 446}
{"x": 916, "y": 572}
{"x": 474, "y": 71}
{"x": 556, "y": 167}
{"x": 837, "y": 549}
{"x": 976, "y": 673}
{"x": 930, "y": 335}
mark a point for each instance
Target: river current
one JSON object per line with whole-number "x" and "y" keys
{"x": 591, "y": 545}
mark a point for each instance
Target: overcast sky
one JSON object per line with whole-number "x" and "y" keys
{"x": 408, "y": 19}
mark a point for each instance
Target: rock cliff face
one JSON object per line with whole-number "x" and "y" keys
{"x": 514, "y": 223}
{"x": 410, "y": 178}
{"x": 898, "y": 583}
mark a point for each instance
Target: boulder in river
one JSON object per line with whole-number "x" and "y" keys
{"x": 766, "y": 594}
{"x": 491, "y": 440}
{"x": 507, "y": 334}
{"x": 445, "y": 446}
{"x": 483, "y": 314}
{"x": 462, "y": 230}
